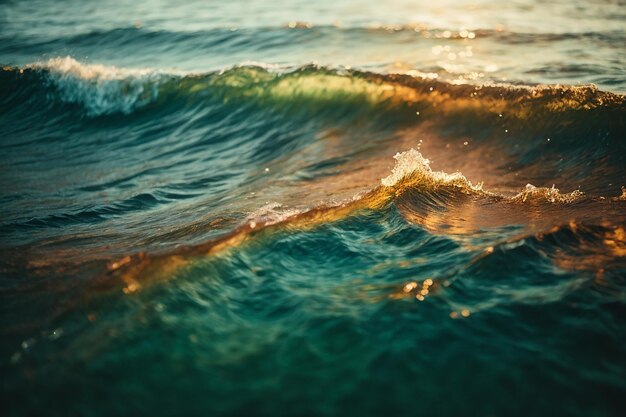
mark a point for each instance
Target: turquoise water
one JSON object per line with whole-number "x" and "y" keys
{"x": 313, "y": 208}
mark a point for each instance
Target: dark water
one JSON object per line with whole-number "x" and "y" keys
{"x": 313, "y": 209}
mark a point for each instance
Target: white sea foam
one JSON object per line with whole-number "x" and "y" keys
{"x": 68, "y": 66}
{"x": 271, "y": 213}
{"x": 530, "y": 192}
{"x": 102, "y": 89}
{"x": 411, "y": 163}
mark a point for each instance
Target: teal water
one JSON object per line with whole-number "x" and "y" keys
{"x": 328, "y": 208}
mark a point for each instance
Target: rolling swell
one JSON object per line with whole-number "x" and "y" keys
{"x": 441, "y": 203}
{"x": 102, "y": 89}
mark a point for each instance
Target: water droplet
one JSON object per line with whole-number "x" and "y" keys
{"x": 55, "y": 334}
{"x": 27, "y": 344}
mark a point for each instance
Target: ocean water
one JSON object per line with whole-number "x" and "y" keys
{"x": 330, "y": 208}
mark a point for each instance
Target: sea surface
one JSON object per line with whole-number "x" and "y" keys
{"x": 313, "y": 208}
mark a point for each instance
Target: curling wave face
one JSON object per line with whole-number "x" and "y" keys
{"x": 102, "y": 89}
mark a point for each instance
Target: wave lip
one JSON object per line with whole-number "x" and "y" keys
{"x": 413, "y": 170}
{"x": 102, "y": 89}
{"x": 411, "y": 164}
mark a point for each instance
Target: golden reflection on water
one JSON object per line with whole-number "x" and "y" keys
{"x": 415, "y": 289}
{"x": 594, "y": 256}
{"x": 451, "y": 210}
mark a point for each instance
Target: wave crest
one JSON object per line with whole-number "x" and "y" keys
{"x": 102, "y": 89}
{"x": 552, "y": 195}
{"x": 411, "y": 167}
{"x": 105, "y": 89}
{"x": 413, "y": 170}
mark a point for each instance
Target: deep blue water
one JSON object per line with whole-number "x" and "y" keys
{"x": 313, "y": 208}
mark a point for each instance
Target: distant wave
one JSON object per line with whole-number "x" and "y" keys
{"x": 279, "y": 34}
{"x": 102, "y": 89}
